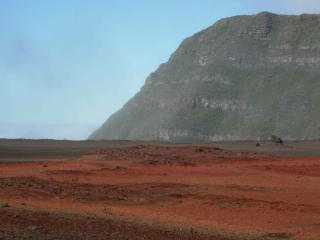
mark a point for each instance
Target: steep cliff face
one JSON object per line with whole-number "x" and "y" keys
{"x": 245, "y": 77}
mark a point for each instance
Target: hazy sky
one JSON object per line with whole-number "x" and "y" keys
{"x": 65, "y": 66}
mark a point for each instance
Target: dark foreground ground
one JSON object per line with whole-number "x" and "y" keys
{"x": 138, "y": 190}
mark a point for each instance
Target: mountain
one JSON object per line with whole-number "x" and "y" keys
{"x": 245, "y": 77}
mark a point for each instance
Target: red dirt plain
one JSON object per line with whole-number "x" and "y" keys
{"x": 156, "y": 191}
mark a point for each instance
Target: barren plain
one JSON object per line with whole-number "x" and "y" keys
{"x": 138, "y": 190}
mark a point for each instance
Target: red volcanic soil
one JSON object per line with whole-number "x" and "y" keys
{"x": 162, "y": 192}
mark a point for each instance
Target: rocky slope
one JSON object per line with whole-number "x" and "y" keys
{"x": 245, "y": 77}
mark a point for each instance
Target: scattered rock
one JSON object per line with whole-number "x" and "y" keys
{"x": 119, "y": 168}
{"x": 217, "y": 149}
{"x": 199, "y": 150}
{"x": 32, "y": 228}
{"x": 4, "y": 205}
{"x": 276, "y": 139}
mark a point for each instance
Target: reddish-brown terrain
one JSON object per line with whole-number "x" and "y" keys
{"x": 156, "y": 191}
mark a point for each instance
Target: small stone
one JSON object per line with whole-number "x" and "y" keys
{"x": 4, "y": 205}
{"x": 32, "y": 228}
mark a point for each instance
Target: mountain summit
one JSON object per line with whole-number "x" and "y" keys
{"x": 245, "y": 77}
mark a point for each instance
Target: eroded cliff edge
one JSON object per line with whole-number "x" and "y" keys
{"x": 245, "y": 77}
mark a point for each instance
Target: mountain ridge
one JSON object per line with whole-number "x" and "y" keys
{"x": 244, "y": 77}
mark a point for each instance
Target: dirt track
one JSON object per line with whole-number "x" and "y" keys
{"x": 162, "y": 192}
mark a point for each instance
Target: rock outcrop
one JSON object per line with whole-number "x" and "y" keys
{"x": 245, "y": 77}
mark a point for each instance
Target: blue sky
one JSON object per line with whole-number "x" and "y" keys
{"x": 65, "y": 66}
